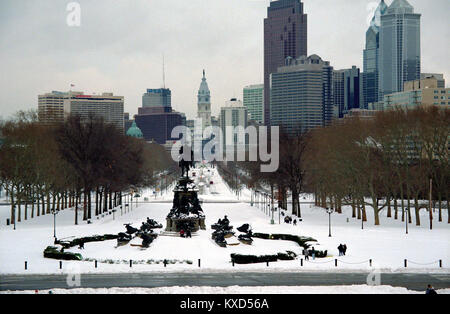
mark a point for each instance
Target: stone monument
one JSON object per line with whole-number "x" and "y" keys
{"x": 186, "y": 212}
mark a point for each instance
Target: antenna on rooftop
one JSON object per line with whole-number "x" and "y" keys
{"x": 164, "y": 74}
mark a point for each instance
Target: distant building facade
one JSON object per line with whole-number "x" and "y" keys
{"x": 254, "y": 101}
{"x": 157, "y": 119}
{"x": 301, "y": 94}
{"x": 161, "y": 97}
{"x": 438, "y": 76}
{"x": 285, "y": 35}
{"x": 347, "y": 90}
{"x": 157, "y": 127}
{"x": 234, "y": 114}
{"x": 51, "y": 107}
{"x": 425, "y": 92}
{"x": 371, "y": 58}
{"x": 54, "y": 107}
{"x": 127, "y": 122}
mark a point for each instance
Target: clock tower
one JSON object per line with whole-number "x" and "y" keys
{"x": 204, "y": 103}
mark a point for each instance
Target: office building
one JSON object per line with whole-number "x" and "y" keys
{"x": 399, "y": 47}
{"x": 157, "y": 126}
{"x": 347, "y": 91}
{"x": 425, "y": 92}
{"x": 254, "y": 101}
{"x": 301, "y": 94}
{"x": 161, "y": 97}
{"x": 54, "y": 107}
{"x": 371, "y": 58}
{"x": 234, "y": 114}
{"x": 438, "y": 76}
{"x": 285, "y": 35}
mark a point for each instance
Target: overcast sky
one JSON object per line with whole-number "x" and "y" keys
{"x": 120, "y": 44}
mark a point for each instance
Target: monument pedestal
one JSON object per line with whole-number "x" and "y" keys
{"x": 173, "y": 223}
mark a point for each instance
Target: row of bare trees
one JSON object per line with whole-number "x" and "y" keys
{"x": 86, "y": 164}
{"x": 390, "y": 162}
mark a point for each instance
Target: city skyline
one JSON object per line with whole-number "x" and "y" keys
{"x": 124, "y": 55}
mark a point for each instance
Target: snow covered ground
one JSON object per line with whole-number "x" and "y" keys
{"x": 387, "y": 245}
{"x": 357, "y": 289}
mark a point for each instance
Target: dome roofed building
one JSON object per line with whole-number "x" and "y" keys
{"x": 135, "y": 131}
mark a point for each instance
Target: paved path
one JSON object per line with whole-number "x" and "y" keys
{"x": 416, "y": 282}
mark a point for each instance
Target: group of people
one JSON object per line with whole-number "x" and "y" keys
{"x": 288, "y": 220}
{"x": 342, "y": 248}
{"x": 186, "y": 234}
{"x": 307, "y": 253}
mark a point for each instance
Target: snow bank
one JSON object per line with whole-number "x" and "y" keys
{"x": 356, "y": 289}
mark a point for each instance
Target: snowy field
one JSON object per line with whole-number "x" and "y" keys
{"x": 387, "y": 245}
{"x": 357, "y": 289}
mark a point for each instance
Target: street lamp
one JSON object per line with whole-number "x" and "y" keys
{"x": 406, "y": 219}
{"x": 14, "y": 209}
{"x": 329, "y": 212}
{"x": 362, "y": 219}
{"x": 54, "y": 212}
{"x": 272, "y": 221}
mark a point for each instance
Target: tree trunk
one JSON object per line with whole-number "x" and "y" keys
{"x": 96, "y": 202}
{"x": 85, "y": 216}
{"x": 13, "y": 210}
{"x": 43, "y": 204}
{"x": 19, "y": 210}
{"x": 76, "y": 208}
{"x": 364, "y": 215}
{"x": 409, "y": 210}
{"x": 417, "y": 210}
{"x": 89, "y": 205}
{"x": 105, "y": 204}
{"x": 110, "y": 200}
{"x": 26, "y": 210}
{"x": 48, "y": 204}
{"x": 395, "y": 208}
{"x": 402, "y": 203}
{"x": 353, "y": 208}
{"x": 32, "y": 204}
{"x": 440, "y": 207}
{"x": 389, "y": 211}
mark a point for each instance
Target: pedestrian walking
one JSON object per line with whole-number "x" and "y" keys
{"x": 306, "y": 253}
{"x": 344, "y": 249}
{"x": 188, "y": 233}
{"x": 340, "y": 249}
{"x": 313, "y": 253}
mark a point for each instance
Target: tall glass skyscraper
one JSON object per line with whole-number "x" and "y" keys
{"x": 285, "y": 35}
{"x": 399, "y": 47}
{"x": 371, "y": 57}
